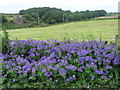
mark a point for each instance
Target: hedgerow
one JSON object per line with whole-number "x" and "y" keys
{"x": 39, "y": 64}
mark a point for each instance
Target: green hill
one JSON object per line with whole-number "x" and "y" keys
{"x": 93, "y": 29}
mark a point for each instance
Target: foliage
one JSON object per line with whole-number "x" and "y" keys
{"x": 53, "y": 15}
{"x": 5, "y": 39}
{"x": 38, "y": 64}
{"x": 2, "y": 18}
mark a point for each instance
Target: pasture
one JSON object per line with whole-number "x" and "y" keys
{"x": 92, "y": 29}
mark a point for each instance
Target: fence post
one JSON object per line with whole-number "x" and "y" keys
{"x": 116, "y": 41}
{"x": 118, "y": 46}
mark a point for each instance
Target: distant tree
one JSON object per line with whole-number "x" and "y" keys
{"x": 3, "y": 19}
{"x": 71, "y": 17}
{"x": 22, "y": 12}
{"x": 11, "y": 21}
{"x": 53, "y": 15}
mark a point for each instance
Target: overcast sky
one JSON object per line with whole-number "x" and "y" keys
{"x": 14, "y": 6}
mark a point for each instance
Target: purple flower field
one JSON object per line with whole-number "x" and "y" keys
{"x": 37, "y": 64}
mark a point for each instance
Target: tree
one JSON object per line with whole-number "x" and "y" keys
{"x": 54, "y": 15}
{"x": 3, "y": 19}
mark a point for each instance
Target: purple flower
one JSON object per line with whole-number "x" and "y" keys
{"x": 72, "y": 51}
{"x": 84, "y": 52}
{"x": 82, "y": 58}
{"x": 102, "y": 77}
{"x": 107, "y": 72}
{"x": 37, "y": 54}
{"x": 99, "y": 58}
{"x": 48, "y": 74}
{"x": 19, "y": 72}
{"x": 98, "y": 71}
{"x": 63, "y": 62}
{"x": 14, "y": 80}
{"x": 50, "y": 67}
{"x": 80, "y": 68}
{"x": 72, "y": 67}
{"x": 68, "y": 79}
{"x": 32, "y": 54}
{"x": 93, "y": 77}
{"x": 52, "y": 55}
{"x": 55, "y": 68}
{"x": 106, "y": 60}
{"x": 5, "y": 75}
{"x": 63, "y": 71}
{"x": 110, "y": 76}
{"x": 59, "y": 57}
{"x": 34, "y": 75}
{"x": 117, "y": 60}
{"x": 73, "y": 75}
{"x": 38, "y": 82}
{"x": 24, "y": 71}
{"x": 99, "y": 63}
{"x": 33, "y": 69}
{"x": 88, "y": 65}
{"x": 88, "y": 58}
{"x": 7, "y": 66}
{"x": 13, "y": 64}
{"x": 106, "y": 77}
{"x": 109, "y": 67}
{"x": 50, "y": 78}
{"x": 93, "y": 65}
{"x": 44, "y": 70}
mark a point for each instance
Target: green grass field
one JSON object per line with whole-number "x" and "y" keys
{"x": 14, "y": 26}
{"x": 9, "y": 18}
{"x": 107, "y": 29}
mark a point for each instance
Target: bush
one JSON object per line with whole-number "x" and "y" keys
{"x": 5, "y": 41}
{"x": 38, "y": 64}
{"x": 3, "y": 19}
{"x": 11, "y": 21}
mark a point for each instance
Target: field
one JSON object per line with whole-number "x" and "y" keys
{"x": 14, "y": 26}
{"x": 93, "y": 29}
{"x": 61, "y": 64}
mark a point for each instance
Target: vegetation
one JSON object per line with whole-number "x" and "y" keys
{"x": 14, "y": 26}
{"x": 54, "y": 64}
{"x": 53, "y": 15}
{"x": 82, "y": 30}
{"x": 5, "y": 39}
{"x": 2, "y": 18}
{"x": 74, "y": 60}
{"x": 8, "y": 23}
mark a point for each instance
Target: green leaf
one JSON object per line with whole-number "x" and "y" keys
{"x": 40, "y": 73}
{"x": 78, "y": 83}
{"x": 32, "y": 78}
{"x": 84, "y": 81}
{"x": 21, "y": 76}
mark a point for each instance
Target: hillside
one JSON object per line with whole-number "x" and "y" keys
{"x": 105, "y": 29}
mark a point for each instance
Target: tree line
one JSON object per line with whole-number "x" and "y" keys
{"x": 48, "y": 15}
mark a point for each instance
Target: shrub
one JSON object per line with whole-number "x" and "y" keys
{"x": 37, "y": 64}
{"x": 5, "y": 41}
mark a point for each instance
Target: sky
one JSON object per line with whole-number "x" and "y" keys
{"x": 14, "y": 6}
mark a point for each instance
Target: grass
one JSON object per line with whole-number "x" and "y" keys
{"x": 10, "y": 18}
{"x": 105, "y": 29}
{"x": 14, "y": 26}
